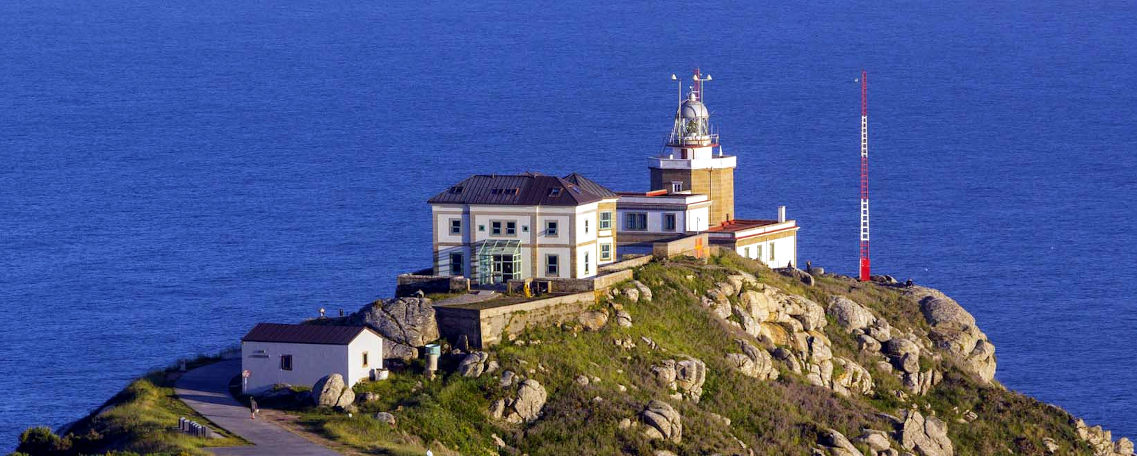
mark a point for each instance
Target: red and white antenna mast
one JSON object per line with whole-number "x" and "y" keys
{"x": 865, "y": 270}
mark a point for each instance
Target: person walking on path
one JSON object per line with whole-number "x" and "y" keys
{"x": 253, "y": 408}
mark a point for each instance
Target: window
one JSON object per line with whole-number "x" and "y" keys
{"x": 511, "y": 228}
{"x": 676, "y": 187}
{"x": 495, "y": 228}
{"x": 524, "y": 228}
{"x": 364, "y": 359}
{"x": 771, "y": 251}
{"x": 457, "y": 190}
{"x": 503, "y": 191}
{"x": 551, "y": 228}
{"x": 605, "y": 251}
{"x": 482, "y": 228}
{"x": 455, "y": 264}
{"x": 286, "y": 362}
{"x": 552, "y": 265}
{"x": 668, "y": 222}
{"x": 605, "y": 220}
{"x": 455, "y": 226}
{"x": 555, "y": 192}
{"x": 748, "y": 253}
{"x": 585, "y": 226}
{"x": 635, "y": 221}
{"x": 759, "y": 255}
{"x": 586, "y": 262}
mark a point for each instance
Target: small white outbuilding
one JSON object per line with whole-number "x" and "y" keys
{"x": 298, "y": 355}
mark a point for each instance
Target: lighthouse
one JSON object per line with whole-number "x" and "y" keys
{"x": 692, "y": 159}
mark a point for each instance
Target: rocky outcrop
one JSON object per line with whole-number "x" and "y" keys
{"x": 406, "y": 323}
{"x": 645, "y": 292}
{"x": 385, "y": 417}
{"x": 330, "y": 391}
{"x": 685, "y": 376}
{"x": 593, "y": 320}
{"x": 877, "y": 441}
{"x": 1102, "y": 440}
{"x": 753, "y": 362}
{"x": 526, "y": 407}
{"x": 623, "y": 319}
{"x": 836, "y": 444}
{"x": 796, "y": 273}
{"x": 927, "y": 436}
{"x": 954, "y": 330}
{"x": 474, "y": 364}
{"x": 853, "y": 378}
{"x": 849, "y": 314}
{"x": 662, "y": 421}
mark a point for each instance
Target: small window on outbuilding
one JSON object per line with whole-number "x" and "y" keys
{"x": 365, "y": 359}
{"x": 286, "y": 362}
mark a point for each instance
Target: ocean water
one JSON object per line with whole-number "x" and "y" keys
{"x": 171, "y": 174}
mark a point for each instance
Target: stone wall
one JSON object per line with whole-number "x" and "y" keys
{"x": 408, "y": 284}
{"x": 695, "y": 245}
{"x": 481, "y": 328}
{"x": 512, "y": 319}
{"x": 627, "y": 264}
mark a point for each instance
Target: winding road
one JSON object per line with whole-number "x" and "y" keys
{"x": 206, "y": 390}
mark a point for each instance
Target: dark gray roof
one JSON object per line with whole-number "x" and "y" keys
{"x": 303, "y": 334}
{"x": 590, "y": 185}
{"x": 530, "y": 189}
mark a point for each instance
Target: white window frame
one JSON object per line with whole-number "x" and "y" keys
{"x": 455, "y": 226}
{"x": 552, "y": 228}
{"x": 605, "y": 248}
{"x": 606, "y": 220}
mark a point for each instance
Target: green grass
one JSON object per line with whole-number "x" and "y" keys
{"x": 782, "y": 417}
{"x": 142, "y": 418}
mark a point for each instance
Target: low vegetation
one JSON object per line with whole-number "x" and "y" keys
{"x": 140, "y": 419}
{"x": 736, "y": 414}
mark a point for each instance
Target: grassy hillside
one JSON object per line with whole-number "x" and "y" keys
{"x": 780, "y": 417}
{"x": 140, "y": 419}
{"x": 735, "y": 414}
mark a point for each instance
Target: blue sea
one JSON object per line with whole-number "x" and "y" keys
{"x": 173, "y": 172}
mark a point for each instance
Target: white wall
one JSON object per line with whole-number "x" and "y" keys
{"x": 310, "y": 362}
{"x": 593, "y": 255}
{"x": 655, "y": 220}
{"x": 784, "y": 252}
{"x": 698, "y": 219}
{"x": 371, "y": 343}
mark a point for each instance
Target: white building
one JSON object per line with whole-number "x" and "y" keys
{"x": 302, "y": 354}
{"x": 773, "y": 242}
{"x": 496, "y": 228}
{"x": 644, "y": 218}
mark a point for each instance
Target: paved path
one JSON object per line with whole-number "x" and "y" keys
{"x": 206, "y": 390}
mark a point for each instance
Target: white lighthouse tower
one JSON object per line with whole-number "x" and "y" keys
{"x": 693, "y": 160}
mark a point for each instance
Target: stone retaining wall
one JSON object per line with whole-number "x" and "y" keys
{"x": 481, "y": 328}
{"x": 408, "y": 284}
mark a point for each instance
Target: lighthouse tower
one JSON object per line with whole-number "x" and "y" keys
{"x": 692, "y": 159}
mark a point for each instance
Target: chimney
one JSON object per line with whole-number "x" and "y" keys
{"x": 781, "y": 214}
